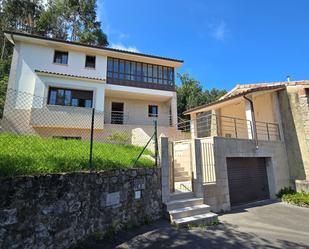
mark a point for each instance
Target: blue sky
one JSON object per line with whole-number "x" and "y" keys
{"x": 222, "y": 42}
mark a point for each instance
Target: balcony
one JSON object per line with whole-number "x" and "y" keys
{"x": 65, "y": 117}
{"x": 126, "y": 118}
{"x": 230, "y": 127}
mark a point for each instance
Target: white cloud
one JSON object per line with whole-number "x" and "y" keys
{"x": 117, "y": 38}
{"x": 123, "y": 47}
{"x": 219, "y": 31}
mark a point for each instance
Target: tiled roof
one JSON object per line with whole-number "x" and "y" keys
{"x": 92, "y": 46}
{"x": 69, "y": 75}
{"x": 243, "y": 89}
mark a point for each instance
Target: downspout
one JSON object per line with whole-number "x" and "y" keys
{"x": 253, "y": 122}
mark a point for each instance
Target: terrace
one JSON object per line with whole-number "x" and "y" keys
{"x": 255, "y": 116}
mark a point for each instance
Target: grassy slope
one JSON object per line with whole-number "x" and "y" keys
{"x": 27, "y": 155}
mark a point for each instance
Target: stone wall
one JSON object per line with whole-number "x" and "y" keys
{"x": 294, "y": 112}
{"x": 304, "y": 109}
{"x": 55, "y": 211}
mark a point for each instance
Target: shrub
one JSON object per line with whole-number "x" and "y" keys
{"x": 285, "y": 191}
{"x": 299, "y": 199}
{"x": 119, "y": 137}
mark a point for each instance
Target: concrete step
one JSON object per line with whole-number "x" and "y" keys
{"x": 184, "y": 203}
{"x": 189, "y": 211}
{"x": 181, "y": 173}
{"x": 205, "y": 219}
{"x": 182, "y": 178}
{"x": 180, "y": 196}
{"x": 177, "y": 169}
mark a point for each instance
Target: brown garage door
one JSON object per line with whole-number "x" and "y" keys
{"x": 247, "y": 179}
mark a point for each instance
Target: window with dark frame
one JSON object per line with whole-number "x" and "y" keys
{"x": 90, "y": 61}
{"x": 70, "y": 97}
{"x": 120, "y": 69}
{"x": 117, "y": 113}
{"x": 61, "y": 57}
{"x": 67, "y": 138}
{"x": 153, "y": 111}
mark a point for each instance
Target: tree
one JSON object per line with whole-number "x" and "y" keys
{"x": 74, "y": 20}
{"x": 190, "y": 94}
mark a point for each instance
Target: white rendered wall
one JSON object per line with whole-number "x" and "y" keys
{"x": 44, "y": 82}
{"x": 35, "y": 57}
{"x": 27, "y": 58}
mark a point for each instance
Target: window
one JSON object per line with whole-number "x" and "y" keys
{"x": 152, "y": 111}
{"x": 69, "y": 97}
{"x": 140, "y": 72}
{"x": 90, "y": 61}
{"x": 67, "y": 138}
{"x": 61, "y": 57}
{"x": 117, "y": 113}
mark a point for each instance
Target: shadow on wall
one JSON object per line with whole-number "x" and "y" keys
{"x": 163, "y": 235}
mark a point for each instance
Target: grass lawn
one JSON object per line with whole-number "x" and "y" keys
{"x": 290, "y": 196}
{"x": 31, "y": 155}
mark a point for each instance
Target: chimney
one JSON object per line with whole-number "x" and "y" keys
{"x": 288, "y": 78}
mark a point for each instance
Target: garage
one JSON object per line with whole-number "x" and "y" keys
{"x": 247, "y": 179}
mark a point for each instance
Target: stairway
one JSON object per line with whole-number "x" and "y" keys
{"x": 180, "y": 175}
{"x": 184, "y": 209}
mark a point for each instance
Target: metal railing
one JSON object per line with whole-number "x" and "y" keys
{"x": 208, "y": 161}
{"x": 130, "y": 118}
{"x": 230, "y": 127}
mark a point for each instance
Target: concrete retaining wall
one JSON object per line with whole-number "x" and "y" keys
{"x": 302, "y": 186}
{"x": 217, "y": 194}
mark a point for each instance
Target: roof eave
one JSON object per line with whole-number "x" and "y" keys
{"x": 12, "y": 36}
{"x": 220, "y": 101}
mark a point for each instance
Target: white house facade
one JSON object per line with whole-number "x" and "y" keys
{"x": 125, "y": 88}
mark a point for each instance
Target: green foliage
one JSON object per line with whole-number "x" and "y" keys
{"x": 4, "y": 78}
{"x": 31, "y": 155}
{"x": 119, "y": 137}
{"x": 299, "y": 199}
{"x": 285, "y": 191}
{"x": 75, "y": 20}
{"x": 190, "y": 94}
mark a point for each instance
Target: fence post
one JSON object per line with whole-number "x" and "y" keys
{"x": 198, "y": 178}
{"x": 91, "y": 138}
{"x": 165, "y": 169}
{"x": 156, "y": 141}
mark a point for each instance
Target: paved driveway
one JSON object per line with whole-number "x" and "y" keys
{"x": 269, "y": 225}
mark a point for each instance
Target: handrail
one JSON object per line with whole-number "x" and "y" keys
{"x": 236, "y": 127}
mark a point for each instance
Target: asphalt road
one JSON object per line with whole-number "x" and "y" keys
{"x": 264, "y": 225}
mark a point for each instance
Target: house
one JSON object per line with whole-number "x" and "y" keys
{"x": 53, "y": 85}
{"x": 244, "y": 147}
{"x": 251, "y": 143}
